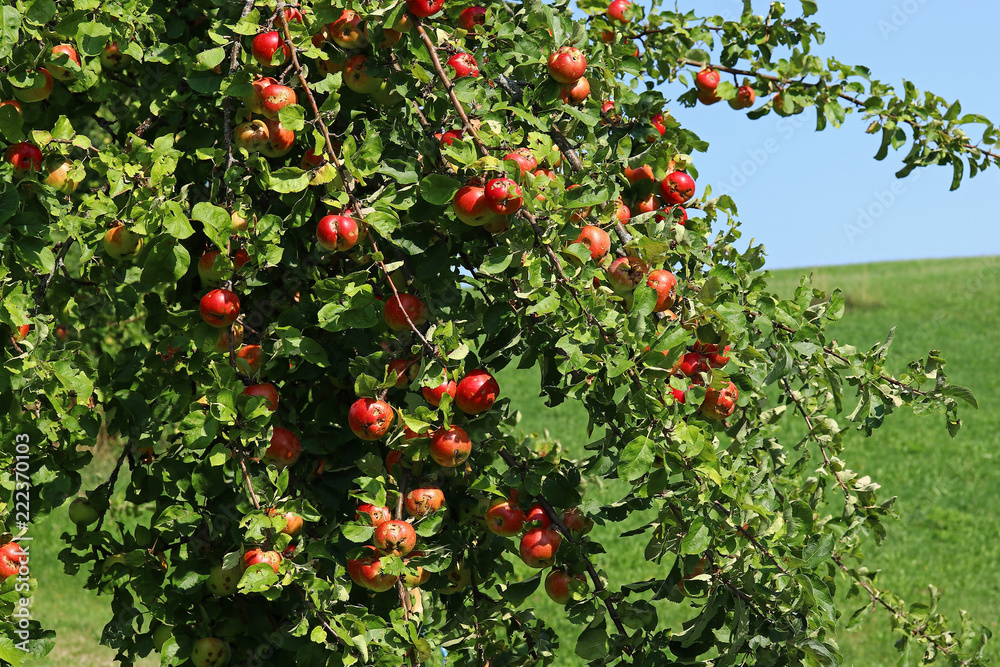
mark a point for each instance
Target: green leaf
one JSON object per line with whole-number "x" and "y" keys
{"x": 963, "y": 393}
{"x": 217, "y": 222}
{"x": 698, "y": 537}
{"x": 636, "y": 459}
{"x": 438, "y": 189}
{"x": 592, "y": 643}
{"x": 289, "y": 179}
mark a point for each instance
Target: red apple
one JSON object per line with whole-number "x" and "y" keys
{"x": 241, "y": 258}
{"x": 504, "y": 517}
{"x": 471, "y": 17}
{"x": 639, "y": 173}
{"x": 538, "y": 547}
{"x": 275, "y": 98}
{"x": 557, "y": 581}
{"x": 423, "y": 501}
{"x": 693, "y": 364}
{"x": 256, "y": 556}
{"x": 269, "y": 49}
{"x": 346, "y": 30}
{"x": 255, "y": 100}
{"x": 503, "y": 196}
{"x": 609, "y": 113}
{"x": 280, "y": 139}
{"x": 450, "y": 447}
{"x": 537, "y": 516}
{"x": 449, "y": 136}
{"x": 477, "y": 392}
{"x": 464, "y": 65}
{"x": 677, "y": 187}
{"x": 658, "y": 124}
{"x": 617, "y": 9}
{"x": 708, "y": 97}
{"x": 622, "y": 212}
{"x": 596, "y": 239}
{"x": 379, "y": 515}
{"x": 24, "y": 157}
{"x": 284, "y": 449}
{"x": 370, "y": 418}
{"x": 576, "y": 522}
{"x": 214, "y": 267}
{"x": 266, "y": 390}
{"x": 433, "y": 395}
{"x": 404, "y": 370}
{"x": 648, "y": 204}
{"x": 112, "y": 57}
{"x": 367, "y": 571}
{"x": 470, "y": 206}
{"x": 745, "y": 97}
{"x": 677, "y": 214}
{"x": 20, "y": 333}
{"x": 664, "y": 283}
{"x": 337, "y": 232}
{"x": 626, "y": 273}
{"x": 398, "y": 308}
{"x": 567, "y": 64}
{"x": 424, "y": 8}
{"x": 58, "y": 71}
{"x": 720, "y": 403}
{"x": 524, "y": 158}
{"x": 576, "y": 92}
{"x": 219, "y": 308}
{"x": 251, "y": 354}
{"x": 293, "y": 522}
{"x": 356, "y": 78}
{"x": 56, "y": 170}
{"x": 707, "y": 80}
{"x": 396, "y": 538}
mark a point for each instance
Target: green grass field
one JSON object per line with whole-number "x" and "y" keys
{"x": 950, "y": 511}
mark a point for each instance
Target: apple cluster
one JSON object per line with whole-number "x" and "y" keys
{"x": 697, "y": 365}
{"x": 707, "y": 83}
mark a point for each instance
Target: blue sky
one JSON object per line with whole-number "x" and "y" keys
{"x": 820, "y": 198}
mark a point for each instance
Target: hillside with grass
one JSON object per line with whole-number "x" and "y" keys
{"x": 947, "y": 534}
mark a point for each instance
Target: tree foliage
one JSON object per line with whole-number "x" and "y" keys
{"x": 756, "y": 520}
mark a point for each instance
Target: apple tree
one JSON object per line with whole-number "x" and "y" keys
{"x": 282, "y": 253}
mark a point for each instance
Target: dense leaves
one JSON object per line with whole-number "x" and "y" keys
{"x": 164, "y": 143}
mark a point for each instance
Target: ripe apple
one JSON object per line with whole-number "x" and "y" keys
{"x": 576, "y": 522}
{"x": 370, "y": 418}
{"x": 659, "y": 125}
{"x": 56, "y": 170}
{"x": 745, "y": 97}
{"x": 676, "y": 214}
{"x": 251, "y": 136}
{"x": 677, "y": 187}
{"x": 711, "y": 352}
{"x": 24, "y": 157}
{"x": 255, "y": 100}
{"x": 471, "y": 207}
{"x": 708, "y": 97}
{"x": 222, "y": 342}
{"x": 256, "y": 556}
{"x": 680, "y": 395}
{"x": 356, "y": 78}
{"x": 210, "y": 652}
{"x": 275, "y": 98}
{"x": 270, "y": 50}
{"x": 497, "y": 225}
{"x": 12, "y": 556}
{"x": 504, "y": 517}
{"x": 433, "y": 395}
{"x": 626, "y": 273}
{"x": 395, "y": 538}
{"x": 423, "y": 501}
{"x": 284, "y": 449}
{"x": 537, "y": 516}
{"x": 622, "y": 212}
{"x": 567, "y": 64}
{"x": 406, "y": 372}
{"x": 251, "y": 354}
{"x": 524, "y": 158}
{"x": 219, "y": 308}
{"x": 707, "y": 80}
{"x": 58, "y": 71}
{"x": 617, "y": 9}
{"x": 649, "y": 203}
{"x": 450, "y": 447}
{"x": 464, "y": 65}
{"x": 120, "y": 242}
{"x": 477, "y": 392}
{"x": 40, "y": 88}
{"x": 503, "y": 196}
{"x": 471, "y": 17}
{"x": 214, "y": 267}
{"x": 267, "y": 391}
{"x": 291, "y": 15}
{"x": 337, "y": 232}
{"x": 663, "y": 282}
{"x": 639, "y": 173}
{"x": 241, "y": 258}
{"x": 693, "y": 364}
{"x": 720, "y": 403}
{"x": 609, "y": 113}
{"x": 13, "y": 103}
{"x": 366, "y": 571}
{"x": 538, "y": 547}
{"x": 424, "y": 8}
{"x": 448, "y": 136}
{"x": 20, "y": 333}
{"x": 557, "y": 581}
{"x": 293, "y": 522}
{"x": 280, "y": 139}
{"x": 112, "y": 57}
{"x": 378, "y": 515}
{"x": 596, "y": 239}
{"x": 222, "y": 582}
{"x": 576, "y": 92}
{"x": 239, "y": 221}
{"x": 346, "y": 31}
{"x": 398, "y": 307}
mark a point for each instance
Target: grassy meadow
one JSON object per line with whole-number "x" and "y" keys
{"x": 950, "y": 512}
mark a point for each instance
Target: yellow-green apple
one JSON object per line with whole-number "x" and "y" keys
{"x": 223, "y": 582}
{"x": 39, "y": 88}
{"x": 355, "y": 77}
{"x": 112, "y": 57}
{"x": 251, "y": 136}
{"x": 477, "y": 392}
{"x": 214, "y": 267}
{"x": 450, "y": 447}
{"x": 82, "y": 513}
{"x": 370, "y": 418}
{"x": 219, "y": 308}
{"x": 222, "y": 342}
{"x": 210, "y": 652}
{"x": 120, "y": 242}
{"x": 56, "y": 170}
